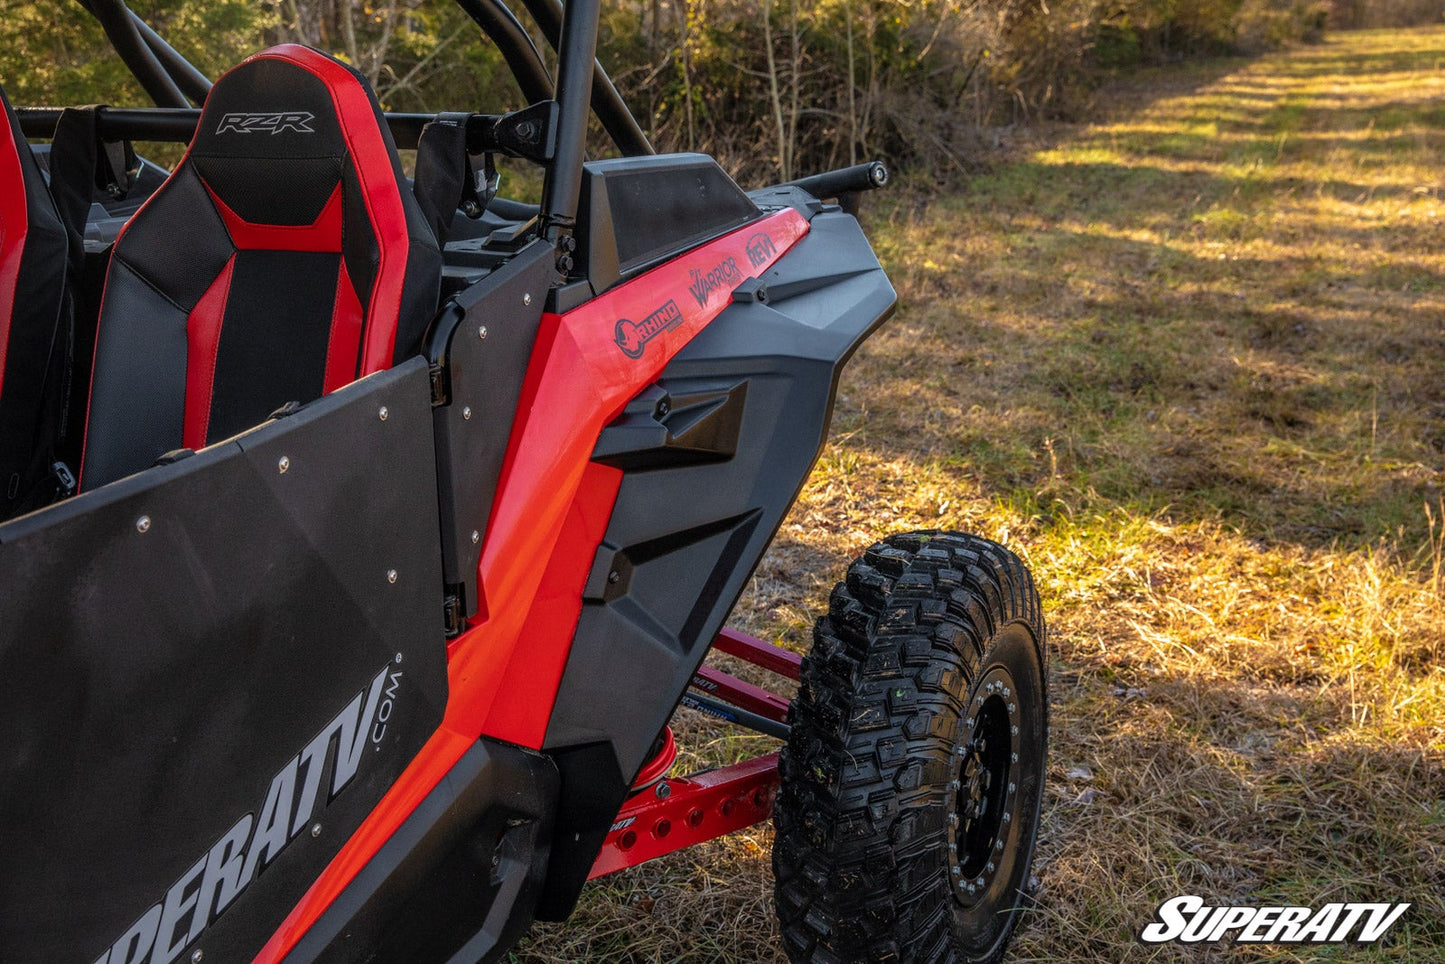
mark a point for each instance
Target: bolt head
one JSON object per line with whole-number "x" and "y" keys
{"x": 391, "y": 575}
{"x": 143, "y": 524}
{"x": 1012, "y": 707}
{"x": 971, "y": 888}
{"x": 482, "y": 332}
{"x": 1011, "y": 787}
{"x": 282, "y": 464}
{"x": 476, "y": 537}
{"x": 1013, "y": 758}
{"x": 991, "y": 867}
{"x": 382, "y": 413}
{"x": 316, "y": 830}
{"x": 196, "y": 956}
{"x": 466, "y": 411}
{"x": 1014, "y": 730}
{"x": 998, "y": 845}
{"x": 958, "y": 871}
{"x": 527, "y": 298}
{"x": 663, "y": 790}
{"x": 1005, "y": 691}
{"x": 1006, "y": 816}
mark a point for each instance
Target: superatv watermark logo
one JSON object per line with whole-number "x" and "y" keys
{"x": 1188, "y": 920}
{"x": 632, "y": 336}
{"x": 760, "y": 248}
{"x": 214, "y": 881}
{"x": 725, "y": 273}
{"x": 294, "y": 120}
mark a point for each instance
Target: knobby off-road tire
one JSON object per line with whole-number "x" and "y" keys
{"x": 913, "y": 777}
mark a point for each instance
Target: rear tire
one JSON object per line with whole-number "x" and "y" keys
{"x": 913, "y": 777}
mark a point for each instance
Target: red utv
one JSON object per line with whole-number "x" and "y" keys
{"x": 365, "y": 534}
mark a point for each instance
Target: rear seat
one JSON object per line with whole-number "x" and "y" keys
{"x": 283, "y": 258}
{"x": 35, "y": 330}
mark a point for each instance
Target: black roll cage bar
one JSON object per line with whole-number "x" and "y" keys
{"x": 552, "y": 132}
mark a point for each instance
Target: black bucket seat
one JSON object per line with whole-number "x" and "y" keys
{"x": 284, "y": 257}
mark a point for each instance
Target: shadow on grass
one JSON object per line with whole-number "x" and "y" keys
{"x": 1255, "y": 333}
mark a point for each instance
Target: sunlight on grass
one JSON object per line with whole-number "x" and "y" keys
{"x": 1189, "y": 362}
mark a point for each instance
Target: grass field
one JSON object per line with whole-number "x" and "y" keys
{"x": 1189, "y": 361}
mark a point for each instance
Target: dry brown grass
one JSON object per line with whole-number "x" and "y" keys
{"x": 1190, "y": 362}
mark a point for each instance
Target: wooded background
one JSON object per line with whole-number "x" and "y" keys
{"x": 770, "y": 87}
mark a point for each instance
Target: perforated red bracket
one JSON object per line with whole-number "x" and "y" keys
{"x": 673, "y": 814}
{"x": 689, "y": 811}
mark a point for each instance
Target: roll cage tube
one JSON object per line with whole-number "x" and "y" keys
{"x": 171, "y": 81}
{"x": 562, "y": 187}
{"x": 607, "y": 103}
{"x": 485, "y": 132}
{"x": 120, "y": 27}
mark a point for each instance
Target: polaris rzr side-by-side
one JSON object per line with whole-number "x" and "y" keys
{"x": 365, "y": 532}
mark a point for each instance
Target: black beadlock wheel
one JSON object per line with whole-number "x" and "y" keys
{"x": 913, "y": 777}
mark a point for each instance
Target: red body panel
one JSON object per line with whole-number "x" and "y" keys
{"x": 552, "y": 504}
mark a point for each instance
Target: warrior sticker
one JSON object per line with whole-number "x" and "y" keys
{"x": 633, "y": 336}
{"x": 725, "y": 274}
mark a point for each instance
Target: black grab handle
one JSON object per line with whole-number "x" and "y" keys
{"x": 848, "y": 180}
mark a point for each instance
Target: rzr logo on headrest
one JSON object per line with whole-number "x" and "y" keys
{"x": 294, "y": 120}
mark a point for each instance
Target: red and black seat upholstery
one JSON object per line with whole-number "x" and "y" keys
{"x": 34, "y": 323}
{"x": 283, "y": 258}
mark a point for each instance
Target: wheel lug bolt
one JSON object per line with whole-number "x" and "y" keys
{"x": 970, "y": 888}
{"x": 1012, "y": 707}
{"x": 1014, "y": 758}
{"x": 991, "y": 867}
{"x": 1005, "y": 691}
{"x": 1014, "y": 730}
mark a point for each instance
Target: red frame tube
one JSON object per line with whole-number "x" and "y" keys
{"x": 740, "y": 693}
{"x": 781, "y": 661}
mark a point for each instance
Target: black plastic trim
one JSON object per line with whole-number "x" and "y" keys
{"x": 459, "y": 878}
